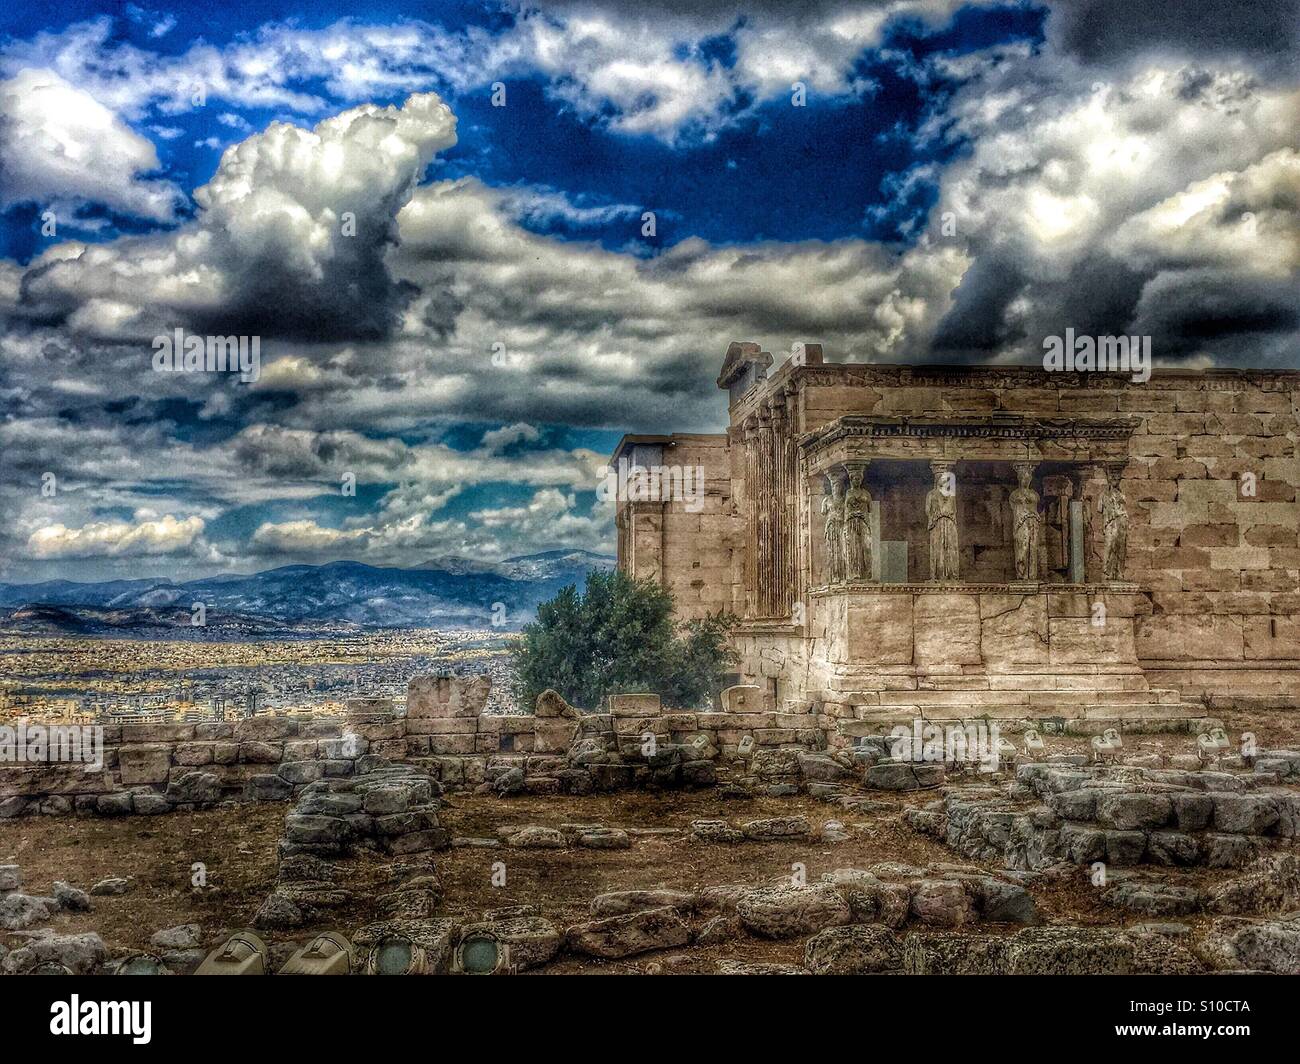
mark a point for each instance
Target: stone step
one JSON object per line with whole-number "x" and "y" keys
{"x": 1020, "y": 712}
{"x": 1013, "y": 698}
{"x": 1055, "y": 681}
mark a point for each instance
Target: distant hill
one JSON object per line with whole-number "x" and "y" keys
{"x": 339, "y": 596}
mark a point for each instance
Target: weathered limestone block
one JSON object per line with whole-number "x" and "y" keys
{"x": 1255, "y": 945}
{"x": 447, "y": 696}
{"x": 532, "y": 940}
{"x": 625, "y": 936}
{"x": 860, "y": 949}
{"x": 947, "y": 630}
{"x": 635, "y": 705}
{"x": 904, "y": 775}
{"x": 743, "y": 698}
{"x": 193, "y": 754}
{"x": 1013, "y": 629}
{"x": 786, "y": 912}
{"x": 879, "y": 630}
{"x": 1244, "y": 814}
{"x": 264, "y": 728}
{"x": 622, "y": 902}
{"x": 368, "y": 709}
{"x": 551, "y": 705}
{"x": 261, "y": 753}
{"x": 1127, "y": 811}
{"x": 941, "y": 903}
{"x": 144, "y": 764}
{"x": 554, "y": 735}
{"x": 148, "y": 734}
{"x": 1210, "y": 638}
{"x": 199, "y": 788}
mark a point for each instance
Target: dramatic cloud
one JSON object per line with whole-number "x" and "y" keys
{"x": 1119, "y": 206}
{"x": 432, "y": 340}
{"x": 290, "y": 239}
{"x": 60, "y": 148}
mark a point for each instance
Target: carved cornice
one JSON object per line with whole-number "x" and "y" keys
{"x": 867, "y": 375}
{"x": 989, "y": 427}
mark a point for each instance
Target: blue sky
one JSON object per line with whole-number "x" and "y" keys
{"x": 1104, "y": 166}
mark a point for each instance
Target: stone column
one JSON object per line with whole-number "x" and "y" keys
{"x": 749, "y": 429}
{"x": 780, "y": 516}
{"x": 941, "y": 519}
{"x": 765, "y": 508}
{"x": 790, "y": 502}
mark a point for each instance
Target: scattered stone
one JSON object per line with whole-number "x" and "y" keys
{"x": 734, "y": 967}
{"x": 859, "y": 949}
{"x": 834, "y": 831}
{"x": 11, "y": 878}
{"x": 79, "y": 954}
{"x": 621, "y": 902}
{"x": 602, "y": 838}
{"x": 278, "y": 913}
{"x": 71, "y": 898}
{"x": 787, "y": 912}
{"x": 715, "y": 831}
{"x": 112, "y": 886}
{"x": 183, "y": 936}
{"x": 533, "y": 837}
{"x": 778, "y": 827}
{"x": 20, "y": 911}
{"x": 719, "y": 929}
{"x": 625, "y": 936}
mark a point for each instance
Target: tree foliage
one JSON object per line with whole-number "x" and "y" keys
{"x": 618, "y": 635}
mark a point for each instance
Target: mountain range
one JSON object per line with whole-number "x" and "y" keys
{"x": 306, "y": 599}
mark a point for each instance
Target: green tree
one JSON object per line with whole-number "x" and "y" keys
{"x": 618, "y": 635}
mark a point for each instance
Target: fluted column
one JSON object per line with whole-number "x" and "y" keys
{"x": 765, "y": 512}
{"x": 749, "y": 430}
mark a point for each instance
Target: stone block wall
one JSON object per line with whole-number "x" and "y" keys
{"x": 693, "y": 550}
{"x": 153, "y": 768}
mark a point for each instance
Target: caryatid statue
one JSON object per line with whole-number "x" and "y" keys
{"x": 857, "y": 526}
{"x": 833, "y": 511}
{"x": 941, "y": 517}
{"x": 1114, "y": 516}
{"x": 1026, "y": 523}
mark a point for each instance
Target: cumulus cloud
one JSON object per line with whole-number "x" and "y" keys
{"x": 60, "y": 148}
{"x": 146, "y": 535}
{"x": 1110, "y": 206}
{"x": 290, "y": 239}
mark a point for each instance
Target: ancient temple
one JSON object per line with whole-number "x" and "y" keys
{"x": 985, "y": 539}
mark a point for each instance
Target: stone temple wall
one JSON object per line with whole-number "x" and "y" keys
{"x": 1210, "y": 477}
{"x": 155, "y": 768}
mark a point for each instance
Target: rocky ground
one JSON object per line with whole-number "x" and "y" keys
{"x": 698, "y": 881}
